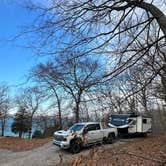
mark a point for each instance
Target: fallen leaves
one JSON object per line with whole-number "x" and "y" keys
{"x": 141, "y": 151}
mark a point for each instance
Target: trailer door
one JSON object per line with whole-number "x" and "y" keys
{"x": 139, "y": 124}
{"x": 132, "y": 125}
{"x": 146, "y": 125}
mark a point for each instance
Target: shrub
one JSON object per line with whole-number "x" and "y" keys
{"x": 50, "y": 131}
{"x": 37, "y": 134}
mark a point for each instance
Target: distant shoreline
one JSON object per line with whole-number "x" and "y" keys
{"x": 36, "y": 126}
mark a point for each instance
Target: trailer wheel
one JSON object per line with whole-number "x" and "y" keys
{"x": 144, "y": 134}
{"x": 75, "y": 147}
{"x": 110, "y": 138}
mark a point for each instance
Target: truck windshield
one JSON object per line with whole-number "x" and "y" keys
{"x": 76, "y": 127}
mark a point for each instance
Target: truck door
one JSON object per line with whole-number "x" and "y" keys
{"x": 93, "y": 133}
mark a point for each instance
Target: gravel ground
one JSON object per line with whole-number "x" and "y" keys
{"x": 47, "y": 155}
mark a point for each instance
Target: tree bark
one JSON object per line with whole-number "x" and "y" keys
{"x": 3, "y": 122}
{"x": 20, "y": 134}
{"x": 155, "y": 12}
{"x": 2, "y": 131}
{"x": 30, "y": 127}
{"x": 77, "y": 111}
{"x": 59, "y": 109}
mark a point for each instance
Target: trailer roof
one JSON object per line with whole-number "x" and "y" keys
{"x": 128, "y": 115}
{"x": 124, "y": 115}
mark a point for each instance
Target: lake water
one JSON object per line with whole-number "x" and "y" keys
{"x": 36, "y": 126}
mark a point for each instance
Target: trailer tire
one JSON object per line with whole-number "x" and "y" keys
{"x": 75, "y": 147}
{"x": 110, "y": 138}
{"x": 144, "y": 135}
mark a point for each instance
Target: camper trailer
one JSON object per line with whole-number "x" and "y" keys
{"x": 129, "y": 124}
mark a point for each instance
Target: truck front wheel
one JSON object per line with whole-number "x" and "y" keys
{"x": 75, "y": 147}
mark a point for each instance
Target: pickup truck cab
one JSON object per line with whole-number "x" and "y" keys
{"x": 82, "y": 135}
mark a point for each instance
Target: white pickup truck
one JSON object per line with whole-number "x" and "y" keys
{"x": 82, "y": 135}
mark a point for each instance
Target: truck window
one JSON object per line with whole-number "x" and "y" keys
{"x": 76, "y": 127}
{"x": 97, "y": 127}
{"x": 91, "y": 127}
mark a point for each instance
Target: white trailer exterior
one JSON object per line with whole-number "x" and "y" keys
{"x": 140, "y": 125}
{"x": 130, "y": 123}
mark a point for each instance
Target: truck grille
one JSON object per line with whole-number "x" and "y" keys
{"x": 58, "y": 138}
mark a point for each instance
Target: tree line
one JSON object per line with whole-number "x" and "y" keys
{"x": 75, "y": 90}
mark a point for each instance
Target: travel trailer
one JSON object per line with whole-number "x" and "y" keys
{"x": 129, "y": 124}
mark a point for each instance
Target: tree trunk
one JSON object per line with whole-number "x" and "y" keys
{"x": 144, "y": 101}
{"x": 59, "y": 109}
{"x": 20, "y": 134}
{"x": 60, "y": 117}
{"x": 77, "y": 102}
{"x": 77, "y": 111}
{"x": 30, "y": 128}
{"x": 29, "y": 132}
{"x": 2, "y": 131}
{"x": 3, "y": 125}
{"x": 163, "y": 83}
{"x": 155, "y": 12}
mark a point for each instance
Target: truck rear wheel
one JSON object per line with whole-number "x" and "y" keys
{"x": 75, "y": 147}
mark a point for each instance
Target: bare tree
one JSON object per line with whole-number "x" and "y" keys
{"x": 114, "y": 100}
{"x": 30, "y": 99}
{"x": 75, "y": 77}
{"x": 50, "y": 87}
{"x": 4, "y": 106}
{"x": 110, "y": 28}
{"x": 160, "y": 86}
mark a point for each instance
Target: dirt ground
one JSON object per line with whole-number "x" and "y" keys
{"x": 139, "y": 151}
{"x": 18, "y": 144}
{"x": 123, "y": 152}
{"x": 46, "y": 155}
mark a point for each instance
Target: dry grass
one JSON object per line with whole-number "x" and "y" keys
{"x": 19, "y": 144}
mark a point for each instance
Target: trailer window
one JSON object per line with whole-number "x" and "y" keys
{"x": 144, "y": 121}
{"x": 132, "y": 121}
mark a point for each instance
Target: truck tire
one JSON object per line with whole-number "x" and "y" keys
{"x": 104, "y": 140}
{"x": 75, "y": 147}
{"x": 110, "y": 138}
